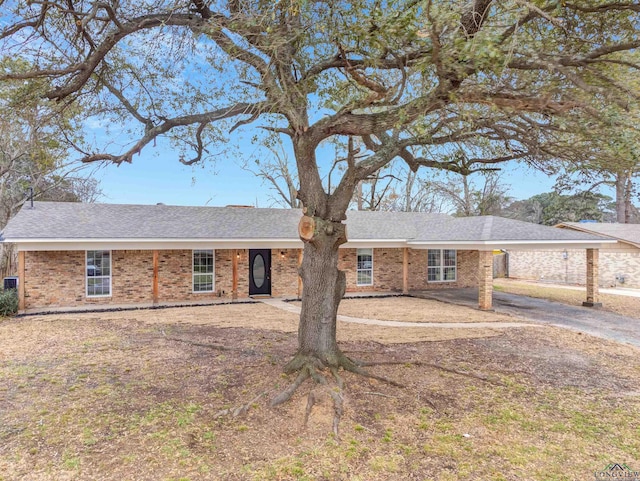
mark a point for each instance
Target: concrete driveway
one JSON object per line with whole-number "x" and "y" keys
{"x": 591, "y": 321}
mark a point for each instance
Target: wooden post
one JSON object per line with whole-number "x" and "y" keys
{"x": 485, "y": 280}
{"x": 300, "y": 251}
{"x": 592, "y": 279}
{"x": 405, "y": 270}
{"x": 234, "y": 274}
{"x": 155, "y": 277}
{"x": 21, "y": 281}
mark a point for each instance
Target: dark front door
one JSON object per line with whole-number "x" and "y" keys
{"x": 259, "y": 272}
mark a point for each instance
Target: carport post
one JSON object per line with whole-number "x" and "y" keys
{"x": 485, "y": 279}
{"x": 592, "y": 279}
{"x": 234, "y": 274}
{"x": 405, "y": 270}
{"x": 21, "y": 286}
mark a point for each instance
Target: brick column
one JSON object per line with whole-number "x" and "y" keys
{"x": 592, "y": 279}
{"x": 485, "y": 279}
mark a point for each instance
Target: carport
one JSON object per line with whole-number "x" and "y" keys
{"x": 488, "y": 234}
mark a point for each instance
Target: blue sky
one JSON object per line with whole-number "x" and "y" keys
{"x": 157, "y": 176}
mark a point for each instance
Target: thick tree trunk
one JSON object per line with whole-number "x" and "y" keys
{"x": 323, "y": 288}
{"x": 627, "y": 198}
{"x": 621, "y": 184}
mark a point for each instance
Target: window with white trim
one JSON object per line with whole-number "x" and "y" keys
{"x": 203, "y": 269}
{"x": 364, "y": 267}
{"x": 98, "y": 273}
{"x": 441, "y": 265}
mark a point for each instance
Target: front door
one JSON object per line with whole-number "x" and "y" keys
{"x": 259, "y": 272}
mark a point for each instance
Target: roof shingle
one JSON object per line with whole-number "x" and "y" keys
{"x": 77, "y": 221}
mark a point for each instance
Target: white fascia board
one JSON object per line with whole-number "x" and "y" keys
{"x": 152, "y": 244}
{"x": 168, "y": 244}
{"x": 375, "y": 243}
{"x": 512, "y": 244}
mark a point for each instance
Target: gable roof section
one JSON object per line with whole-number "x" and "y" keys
{"x": 131, "y": 226}
{"x": 629, "y": 233}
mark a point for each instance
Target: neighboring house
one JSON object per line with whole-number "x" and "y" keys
{"x": 74, "y": 255}
{"x": 619, "y": 262}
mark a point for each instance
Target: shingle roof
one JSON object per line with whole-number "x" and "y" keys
{"x": 625, "y": 232}
{"x": 77, "y": 221}
{"x": 492, "y": 228}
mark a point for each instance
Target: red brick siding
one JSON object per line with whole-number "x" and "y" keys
{"x": 54, "y": 279}
{"x": 57, "y": 279}
{"x": 467, "y": 275}
{"x": 387, "y": 270}
{"x": 284, "y": 272}
{"x": 570, "y": 266}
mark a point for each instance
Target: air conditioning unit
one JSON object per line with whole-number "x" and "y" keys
{"x": 10, "y": 282}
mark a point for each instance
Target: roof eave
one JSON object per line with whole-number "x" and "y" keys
{"x": 28, "y": 244}
{"x": 513, "y": 244}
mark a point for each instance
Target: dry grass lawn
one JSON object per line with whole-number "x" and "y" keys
{"x": 410, "y": 309}
{"x": 137, "y": 395}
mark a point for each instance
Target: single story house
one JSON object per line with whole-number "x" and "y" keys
{"x": 79, "y": 255}
{"x": 619, "y": 261}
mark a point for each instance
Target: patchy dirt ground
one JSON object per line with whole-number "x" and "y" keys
{"x": 137, "y": 396}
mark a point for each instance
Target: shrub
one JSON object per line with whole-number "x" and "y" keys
{"x": 8, "y": 302}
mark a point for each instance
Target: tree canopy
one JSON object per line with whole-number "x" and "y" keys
{"x": 456, "y": 85}
{"x": 441, "y": 84}
{"x": 551, "y": 208}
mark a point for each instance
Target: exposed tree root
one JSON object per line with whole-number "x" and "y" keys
{"x": 239, "y": 410}
{"x": 337, "y": 400}
{"x": 311, "y": 400}
{"x": 311, "y": 367}
{"x": 285, "y": 395}
{"x": 371, "y": 393}
{"x": 218, "y": 347}
{"x": 480, "y": 377}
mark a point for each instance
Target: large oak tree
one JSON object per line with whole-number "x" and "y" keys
{"x": 456, "y": 85}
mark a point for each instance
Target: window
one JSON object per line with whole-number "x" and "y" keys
{"x": 98, "y": 273}
{"x": 364, "y": 268}
{"x": 203, "y": 271}
{"x": 441, "y": 265}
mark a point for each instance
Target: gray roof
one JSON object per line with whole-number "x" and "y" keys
{"x": 625, "y": 232}
{"x": 77, "y": 221}
{"x": 493, "y": 228}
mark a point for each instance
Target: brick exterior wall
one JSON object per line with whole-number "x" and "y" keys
{"x": 467, "y": 275}
{"x": 57, "y": 278}
{"x": 550, "y": 265}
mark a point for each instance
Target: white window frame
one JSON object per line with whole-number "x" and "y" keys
{"x": 358, "y": 270}
{"x": 87, "y": 277}
{"x": 194, "y": 273}
{"x": 440, "y": 266}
